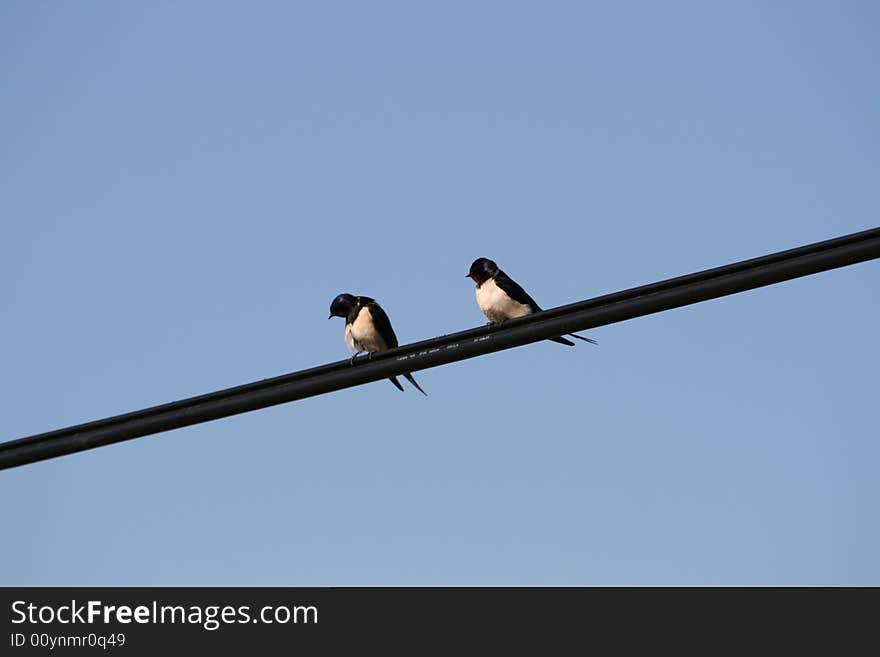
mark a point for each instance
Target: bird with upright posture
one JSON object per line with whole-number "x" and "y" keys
{"x": 367, "y": 328}
{"x": 501, "y": 298}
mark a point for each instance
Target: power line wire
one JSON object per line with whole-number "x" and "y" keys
{"x": 580, "y": 316}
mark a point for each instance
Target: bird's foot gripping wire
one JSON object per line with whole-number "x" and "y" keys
{"x": 369, "y": 357}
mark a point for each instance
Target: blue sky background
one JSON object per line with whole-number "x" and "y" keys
{"x": 184, "y": 187}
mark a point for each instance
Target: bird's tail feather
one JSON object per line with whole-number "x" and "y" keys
{"x": 396, "y": 383}
{"x": 580, "y": 337}
{"x": 409, "y": 377}
{"x": 569, "y": 343}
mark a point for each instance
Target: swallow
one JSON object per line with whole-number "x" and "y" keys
{"x": 501, "y": 298}
{"x": 367, "y": 328}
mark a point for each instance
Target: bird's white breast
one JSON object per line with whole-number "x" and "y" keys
{"x": 496, "y": 305}
{"x": 361, "y": 334}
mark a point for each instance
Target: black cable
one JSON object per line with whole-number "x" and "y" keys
{"x": 600, "y": 311}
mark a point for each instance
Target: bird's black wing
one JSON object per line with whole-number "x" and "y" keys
{"x": 382, "y": 324}
{"x": 383, "y": 327}
{"x": 512, "y": 289}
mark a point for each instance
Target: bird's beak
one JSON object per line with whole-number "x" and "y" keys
{"x": 331, "y": 317}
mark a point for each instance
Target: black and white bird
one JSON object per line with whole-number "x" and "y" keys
{"x": 367, "y": 328}
{"x": 501, "y": 298}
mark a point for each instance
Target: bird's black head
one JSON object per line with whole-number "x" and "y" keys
{"x": 342, "y": 305}
{"x": 482, "y": 269}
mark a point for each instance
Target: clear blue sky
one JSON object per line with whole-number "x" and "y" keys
{"x": 184, "y": 187}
